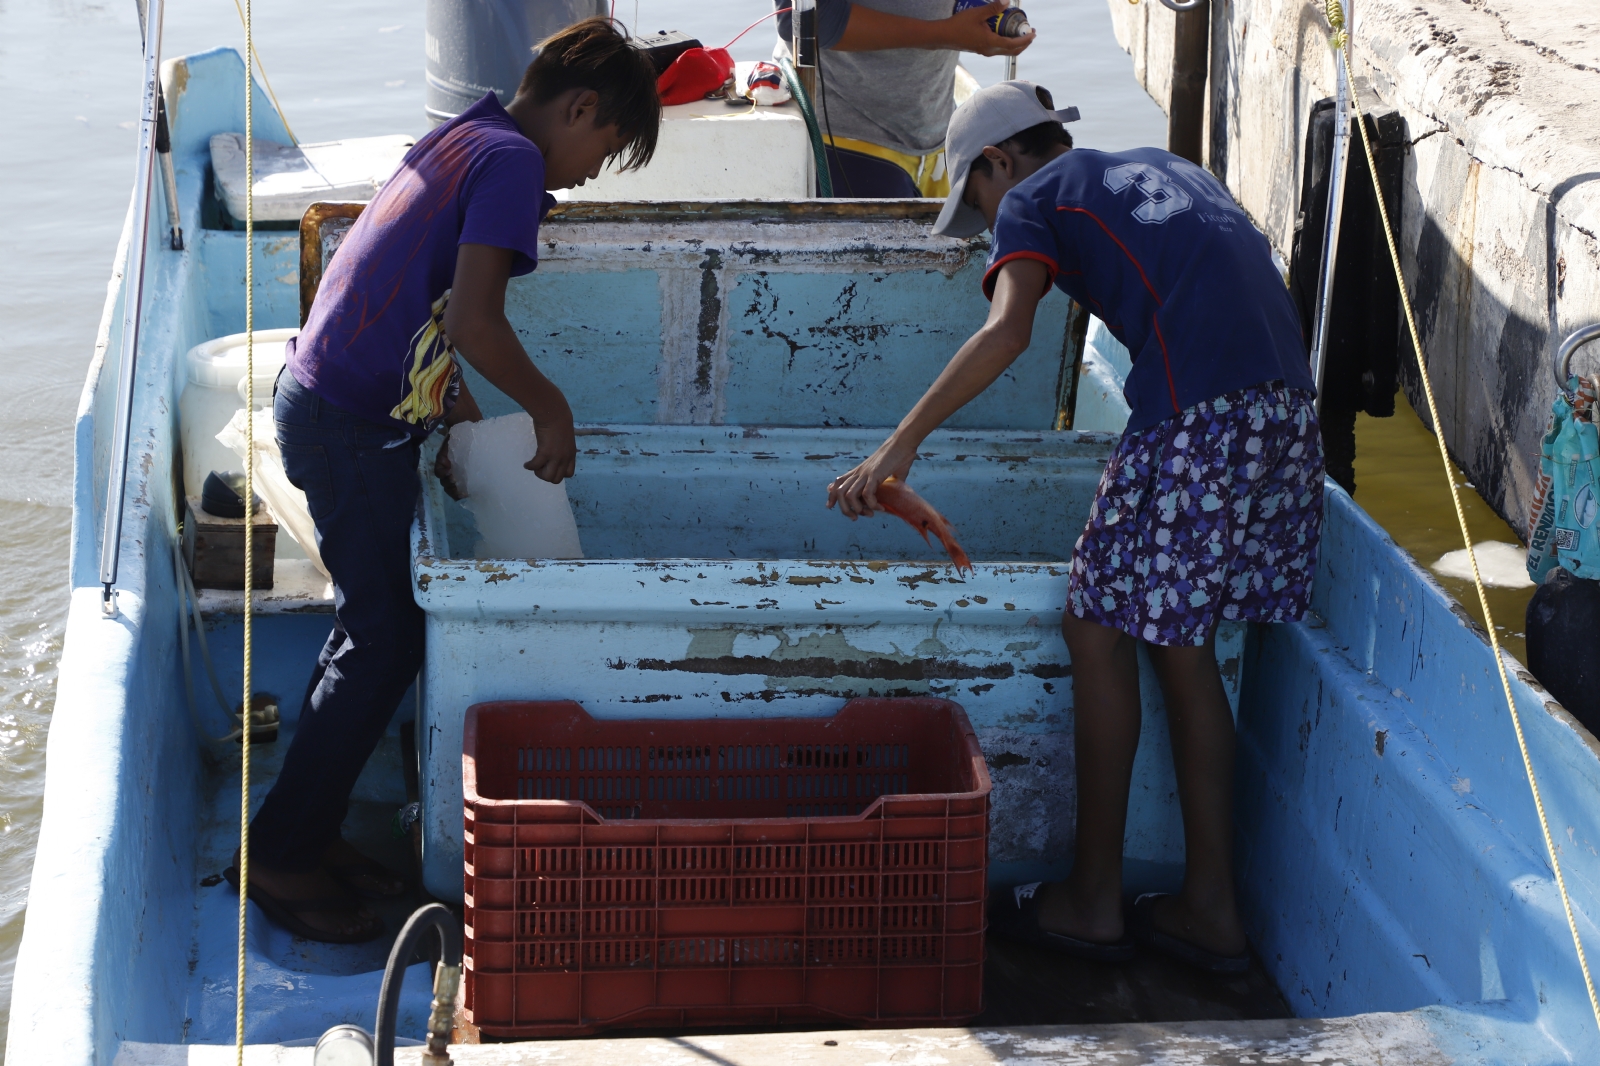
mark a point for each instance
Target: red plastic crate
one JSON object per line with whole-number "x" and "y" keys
{"x": 723, "y": 871}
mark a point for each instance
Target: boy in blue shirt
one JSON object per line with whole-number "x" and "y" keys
{"x": 1209, "y": 509}
{"x": 420, "y": 279}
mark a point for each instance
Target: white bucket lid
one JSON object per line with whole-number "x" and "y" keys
{"x": 219, "y": 363}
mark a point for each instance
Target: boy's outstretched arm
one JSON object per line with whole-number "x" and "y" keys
{"x": 985, "y": 356}
{"x": 476, "y": 324}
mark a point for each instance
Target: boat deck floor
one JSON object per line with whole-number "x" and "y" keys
{"x": 1024, "y": 985}
{"x": 1030, "y": 986}
{"x": 1362, "y": 1038}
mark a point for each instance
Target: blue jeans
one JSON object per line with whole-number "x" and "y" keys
{"x": 361, "y": 484}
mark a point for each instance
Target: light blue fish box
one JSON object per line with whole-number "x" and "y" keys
{"x": 717, "y": 584}
{"x": 729, "y": 369}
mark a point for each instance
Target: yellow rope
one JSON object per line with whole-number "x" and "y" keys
{"x": 250, "y": 45}
{"x": 1341, "y": 42}
{"x": 249, "y": 518}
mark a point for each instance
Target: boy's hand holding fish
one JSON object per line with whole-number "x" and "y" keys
{"x": 856, "y": 493}
{"x": 986, "y": 355}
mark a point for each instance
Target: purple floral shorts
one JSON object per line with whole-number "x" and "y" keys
{"x": 1214, "y": 513}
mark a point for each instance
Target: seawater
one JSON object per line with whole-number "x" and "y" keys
{"x": 1402, "y": 484}
{"x": 69, "y": 76}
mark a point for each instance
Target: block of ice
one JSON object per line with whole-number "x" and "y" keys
{"x": 519, "y": 516}
{"x": 1501, "y": 565}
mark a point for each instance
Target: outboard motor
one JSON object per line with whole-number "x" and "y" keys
{"x": 479, "y": 46}
{"x": 1563, "y": 618}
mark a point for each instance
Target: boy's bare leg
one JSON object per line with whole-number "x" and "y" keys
{"x": 1204, "y": 913}
{"x": 1105, "y": 697}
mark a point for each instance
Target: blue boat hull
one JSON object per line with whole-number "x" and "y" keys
{"x": 1389, "y": 854}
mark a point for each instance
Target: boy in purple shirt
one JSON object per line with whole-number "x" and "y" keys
{"x": 420, "y": 280}
{"x": 1209, "y": 509}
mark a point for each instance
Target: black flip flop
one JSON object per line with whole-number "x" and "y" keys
{"x": 349, "y": 875}
{"x": 1145, "y": 931}
{"x": 1014, "y": 915}
{"x": 286, "y": 913}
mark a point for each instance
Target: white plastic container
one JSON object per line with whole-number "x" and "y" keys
{"x": 211, "y": 398}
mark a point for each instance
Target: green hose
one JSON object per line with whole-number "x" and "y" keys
{"x": 798, "y": 91}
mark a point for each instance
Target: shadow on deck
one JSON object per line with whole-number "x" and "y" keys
{"x": 1025, "y": 985}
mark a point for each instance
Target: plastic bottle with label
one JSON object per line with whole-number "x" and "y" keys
{"x": 1573, "y": 534}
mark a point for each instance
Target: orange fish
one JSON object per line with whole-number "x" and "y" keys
{"x": 897, "y": 498}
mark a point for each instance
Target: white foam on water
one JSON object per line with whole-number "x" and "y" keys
{"x": 1501, "y": 565}
{"x": 519, "y": 516}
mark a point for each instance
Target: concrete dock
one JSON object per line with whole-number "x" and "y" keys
{"x": 1501, "y": 198}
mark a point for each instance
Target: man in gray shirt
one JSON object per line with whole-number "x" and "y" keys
{"x": 885, "y": 84}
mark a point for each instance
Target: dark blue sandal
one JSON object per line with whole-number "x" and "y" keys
{"x": 1145, "y": 931}
{"x": 1014, "y": 915}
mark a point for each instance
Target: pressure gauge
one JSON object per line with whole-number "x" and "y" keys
{"x": 344, "y": 1045}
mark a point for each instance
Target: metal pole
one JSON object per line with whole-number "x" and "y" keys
{"x": 1011, "y": 61}
{"x": 132, "y": 300}
{"x": 1337, "y": 168}
{"x": 807, "y": 57}
{"x": 803, "y": 38}
{"x": 169, "y": 178}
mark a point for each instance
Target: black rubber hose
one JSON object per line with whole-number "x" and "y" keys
{"x": 436, "y": 916}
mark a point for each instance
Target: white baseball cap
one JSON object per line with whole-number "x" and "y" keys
{"x": 988, "y": 117}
